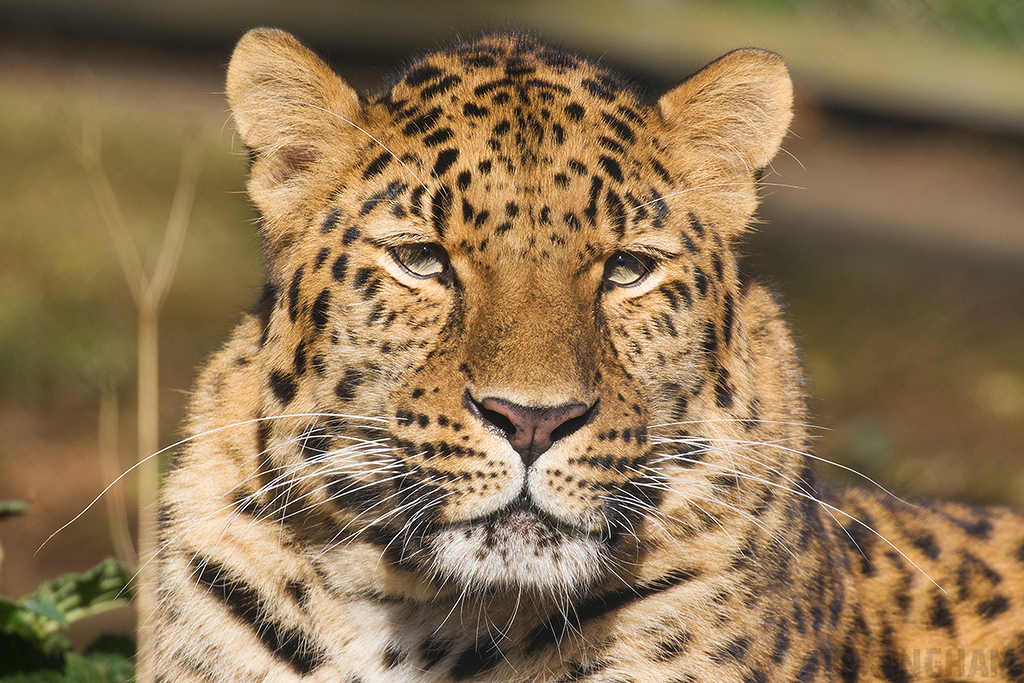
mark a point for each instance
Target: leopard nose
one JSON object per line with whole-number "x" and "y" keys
{"x": 531, "y": 431}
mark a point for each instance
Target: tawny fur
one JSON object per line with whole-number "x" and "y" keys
{"x": 506, "y": 410}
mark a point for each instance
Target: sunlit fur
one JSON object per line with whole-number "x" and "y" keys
{"x": 346, "y": 506}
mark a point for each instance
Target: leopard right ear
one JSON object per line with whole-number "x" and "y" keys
{"x": 291, "y": 111}
{"x": 737, "y": 107}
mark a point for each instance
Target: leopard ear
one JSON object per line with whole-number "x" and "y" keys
{"x": 739, "y": 105}
{"x": 291, "y": 110}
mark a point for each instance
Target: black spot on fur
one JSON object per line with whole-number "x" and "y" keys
{"x": 672, "y": 646}
{"x": 559, "y": 133}
{"x": 991, "y": 608}
{"x": 422, "y": 123}
{"x": 728, "y": 320}
{"x": 422, "y": 74}
{"x": 445, "y": 159}
{"x": 263, "y": 309}
{"x": 939, "y": 615}
{"x": 314, "y": 444}
{"x": 293, "y": 294}
{"x": 350, "y": 236}
{"x": 1013, "y": 660}
{"x": 781, "y": 642}
{"x": 439, "y": 88}
{"x": 891, "y": 665}
{"x": 440, "y": 204}
{"x": 724, "y": 394}
{"x": 616, "y": 212}
{"x": 377, "y": 166}
{"x": 695, "y": 225}
{"x": 611, "y": 167}
{"x": 283, "y": 386}
{"x": 621, "y": 128}
{"x": 331, "y": 222}
{"x": 321, "y": 257}
{"x": 392, "y": 656}
{"x": 438, "y": 137}
{"x": 733, "y": 651}
{"x": 598, "y": 90}
{"x": 926, "y": 543}
{"x": 388, "y": 194}
{"x": 590, "y": 212}
{"x": 700, "y": 280}
{"x": 978, "y": 528}
{"x": 611, "y": 145}
{"x": 318, "y": 314}
{"x": 346, "y": 387}
{"x": 661, "y": 171}
{"x": 340, "y": 268}
{"x": 299, "y": 360}
{"x": 433, "y": 651}
{"x": 709, "y": 341}
{"x": 808, "y": 670}
{"x": 849, "y": 663}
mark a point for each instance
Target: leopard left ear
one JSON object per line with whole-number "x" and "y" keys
{"x": 739, "y": 106}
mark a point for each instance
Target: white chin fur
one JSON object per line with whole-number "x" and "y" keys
{"x": 518, "y": 552}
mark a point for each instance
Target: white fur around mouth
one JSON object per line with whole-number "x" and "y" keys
{"x": 517, "y": 551}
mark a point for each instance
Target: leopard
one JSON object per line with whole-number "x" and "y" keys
{"x": 510, "y": 407}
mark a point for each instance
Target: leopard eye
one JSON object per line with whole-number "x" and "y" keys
{"x": 624, "y": 269}
{"x": 422, "y": 260}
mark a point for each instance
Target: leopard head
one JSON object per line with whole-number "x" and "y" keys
{"x": 504, "y": 332}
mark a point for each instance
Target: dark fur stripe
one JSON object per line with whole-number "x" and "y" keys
{"x": 284, "y": 642}
{"x": 556, "y": 626}
{"x": 475, "y": 661}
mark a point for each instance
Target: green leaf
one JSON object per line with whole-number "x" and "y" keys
{"x": 75, "y": 596}
{"x": 45, "y": 676}
{"x": 12, "y": 508}
{"x": 98, "y": 667}
{"x": 46, "y": 609}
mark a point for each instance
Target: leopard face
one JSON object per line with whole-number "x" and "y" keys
{"x": 504, "y": 336}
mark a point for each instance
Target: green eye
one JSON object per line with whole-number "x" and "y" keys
{"x": 421, "y": 260}
{"x": 624, "y": 269}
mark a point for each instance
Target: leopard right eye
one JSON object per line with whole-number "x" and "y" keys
{"x": 423, "y": 260}
{"x": 626, "y": 269}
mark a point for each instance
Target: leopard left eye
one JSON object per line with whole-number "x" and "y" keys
{"x": 625, "y": 269}
{"x": 422, "y": 260}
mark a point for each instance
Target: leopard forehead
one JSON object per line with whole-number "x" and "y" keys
{"x": 505, "y": 140}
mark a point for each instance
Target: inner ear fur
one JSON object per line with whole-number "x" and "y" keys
{"x": 291, "y": 110}
{"x": 739, "y": 106}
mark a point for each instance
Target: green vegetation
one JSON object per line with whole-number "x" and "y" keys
{"x": 34, "y": 647}
{"x": 999, "y": 23}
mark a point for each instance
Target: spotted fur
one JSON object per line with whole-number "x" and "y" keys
{"x": 507, "y": 410}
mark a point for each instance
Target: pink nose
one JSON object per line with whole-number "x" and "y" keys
{"x": 531, "y": 431}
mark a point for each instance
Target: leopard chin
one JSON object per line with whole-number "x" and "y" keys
{"x": 519, "y": 549}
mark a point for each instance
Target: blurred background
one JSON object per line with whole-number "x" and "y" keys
{"x": 892, "y": 223}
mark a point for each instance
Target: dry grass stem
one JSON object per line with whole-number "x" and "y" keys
{"x": 149, "y": 293}
{"x": 110, "y": 463}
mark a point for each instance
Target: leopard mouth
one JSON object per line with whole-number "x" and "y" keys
{"x": 519, "y": 548}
